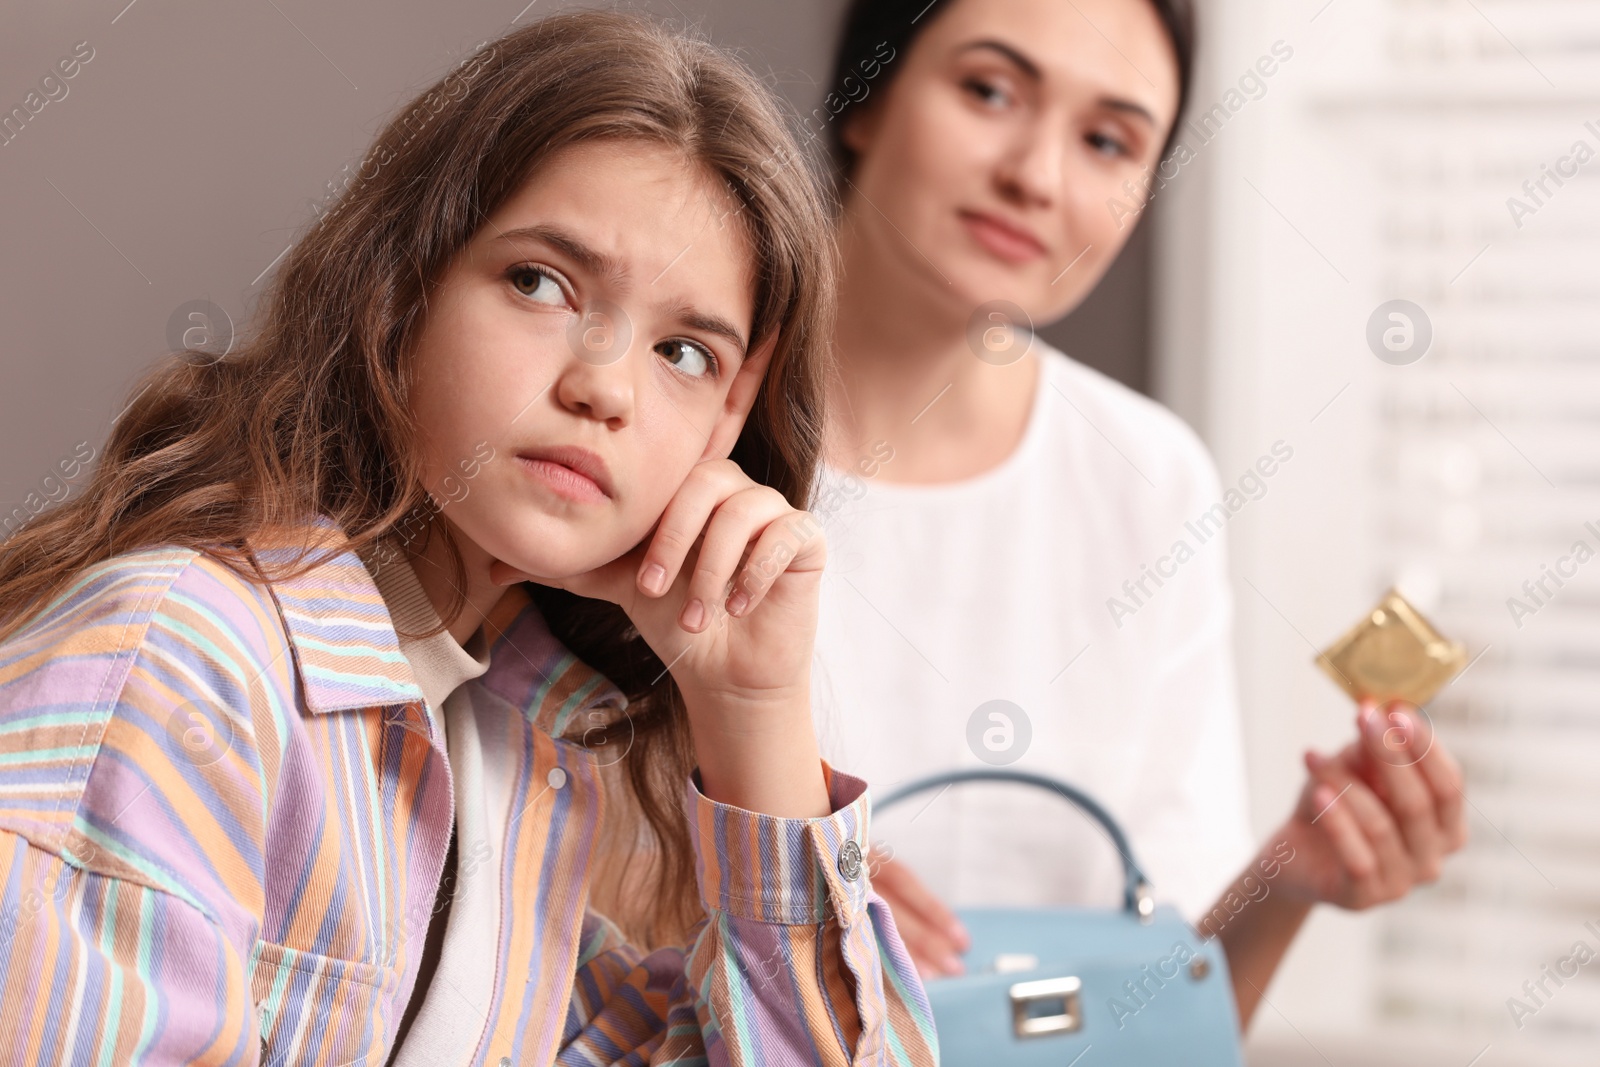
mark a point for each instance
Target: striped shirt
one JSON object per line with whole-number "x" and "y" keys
{"x": 224, "y": 812}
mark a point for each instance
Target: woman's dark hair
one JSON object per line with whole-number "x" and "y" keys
{"x": 875, "y": 29}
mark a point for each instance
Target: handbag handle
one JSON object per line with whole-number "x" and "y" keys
{"x": 1136, "y": 896}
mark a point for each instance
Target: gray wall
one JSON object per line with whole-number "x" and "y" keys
{"x": 187, "y": 153}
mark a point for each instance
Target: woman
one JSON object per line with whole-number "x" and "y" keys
{"x": 998, "y": 514}
{"x": 291, "y": 776}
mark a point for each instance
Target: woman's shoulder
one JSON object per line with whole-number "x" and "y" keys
{"x": 1121, "y": 432}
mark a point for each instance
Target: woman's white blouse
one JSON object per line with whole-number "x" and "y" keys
{"x": 1009, "y": 586}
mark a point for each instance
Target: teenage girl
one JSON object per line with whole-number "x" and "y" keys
{"x": 991, "y": 504}
{"x": 298, "y": 759}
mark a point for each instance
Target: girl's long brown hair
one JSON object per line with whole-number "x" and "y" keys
{"x": 310, "y": 416}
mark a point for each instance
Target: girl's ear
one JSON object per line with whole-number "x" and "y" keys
{"x": 740, "y": 399}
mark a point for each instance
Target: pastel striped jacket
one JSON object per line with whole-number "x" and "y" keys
{"x": 224, "y": 812}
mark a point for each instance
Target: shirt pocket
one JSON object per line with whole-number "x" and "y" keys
{"x": 318, "y": 1010}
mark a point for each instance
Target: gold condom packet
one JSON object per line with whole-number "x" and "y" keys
{"x": 1393, "y": 654}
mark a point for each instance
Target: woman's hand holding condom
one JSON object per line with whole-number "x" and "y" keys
{"x": 1390, "y": 809}
{"x": 1372, "y": 822}
{"x": 725, "y": 593}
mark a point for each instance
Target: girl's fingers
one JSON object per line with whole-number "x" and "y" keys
{"x": 727, "y": 536}
{"x": 709, "y": 484}
{"x": 791, "y": 542}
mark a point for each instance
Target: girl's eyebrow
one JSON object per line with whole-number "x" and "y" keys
{"x": 1031, "y": 69}
{"x": 597, "y": 262}
{"x": 700, "y": 320}
{"x": 591, "y": 260}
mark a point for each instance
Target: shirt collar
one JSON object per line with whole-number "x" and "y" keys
{"x": 438, "y": 662}
{"x": 339, "y": 628}
{"x": 348, "y": 655}
{"x": 532, "y": 670}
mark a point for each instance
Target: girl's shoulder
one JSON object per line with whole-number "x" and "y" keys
{"x": 190, "y": 615}
{"x": 155, "y": 672}
{"x": 117, "y": 599}
{"x": 230, "y": 621}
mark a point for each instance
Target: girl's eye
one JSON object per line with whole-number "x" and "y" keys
{"x": 986, "y": 92}
{"x": 690, "y": 359}
{"x": 1106, "y": 145}
{"x": 538, "y": 284}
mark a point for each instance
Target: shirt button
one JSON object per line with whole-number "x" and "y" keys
{"x": 850, "y": 861}
{"x": 505, "y": 1061}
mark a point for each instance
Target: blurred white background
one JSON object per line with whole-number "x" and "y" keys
{"x": 1376, "y": 165}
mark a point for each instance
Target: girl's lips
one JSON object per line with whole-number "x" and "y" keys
{"x": 1002, "y": 239}
{"x": 563, "y": 480}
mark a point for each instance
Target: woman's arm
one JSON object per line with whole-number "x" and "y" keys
{"x": 1257, "y": 940}
{"x": 1372, "y": 823}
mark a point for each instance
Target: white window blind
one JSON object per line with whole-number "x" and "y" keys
{"x": 1447, "y": 153}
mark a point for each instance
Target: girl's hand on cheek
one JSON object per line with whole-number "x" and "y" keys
{"x": 728, "y": 586}
{"x": 725, "y": 593}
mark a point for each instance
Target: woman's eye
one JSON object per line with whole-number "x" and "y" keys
{"x": 537, "y": 285}
{"x": 1106, "y": 145}
{"x": 986, "y": 92}
{"x": 691, "y": 359}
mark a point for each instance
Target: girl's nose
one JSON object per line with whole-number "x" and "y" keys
{"x": 597, "y": 381}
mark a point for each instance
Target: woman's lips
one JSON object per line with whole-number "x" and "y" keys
{"x": 563, "y": 480}
{"x": 1004, "y": 240}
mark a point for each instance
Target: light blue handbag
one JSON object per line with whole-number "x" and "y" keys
{"x": 1043, "y": 986}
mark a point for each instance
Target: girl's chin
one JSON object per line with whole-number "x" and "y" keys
{"x": 548, "y": 568}
{"x": 543, "y": 571}
{"x": 550, "y": 549}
